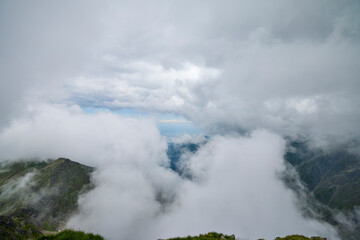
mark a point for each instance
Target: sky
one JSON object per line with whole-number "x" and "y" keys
{"x": 108, "y": 83}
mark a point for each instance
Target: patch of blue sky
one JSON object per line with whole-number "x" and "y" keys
{"x": 128, "y": 112}
{"x": 169, "y": 124}
{"x": 177, "y": 129}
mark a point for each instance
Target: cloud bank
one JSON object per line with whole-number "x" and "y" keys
{"x": 235, "y": 188}
{"x": 238, "y": 191}
{"x": 229, "y": 67}
{"x": 239, "y": 65}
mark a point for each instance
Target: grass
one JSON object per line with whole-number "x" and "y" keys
{"x": 298, "y": 237}
{"x": 217, "y": 236}
{"x": 71, "y": 235}
{"x": 208, "y": 236}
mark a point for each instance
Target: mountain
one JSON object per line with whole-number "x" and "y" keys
{"x": 333, "y": 176}
{"x": 177, "y": 152}
{"x": 42, "y": 194}
{"x": 11, "y": 229}
{"x": 332, "y": 184}
{"x": 331, "y": 179}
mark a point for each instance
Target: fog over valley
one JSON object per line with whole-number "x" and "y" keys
{"x": 239, "y": 117}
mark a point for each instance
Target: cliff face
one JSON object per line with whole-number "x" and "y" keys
{"x": 43, "y": 194}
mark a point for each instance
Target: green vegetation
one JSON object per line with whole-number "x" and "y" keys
{"x": 299, "y": 237}
{"x": 42, "y": 193}
{"x": 333, "y": 176}
{"x": 71, "y": 235}
{"x": 208, "y": 236}
{"x": 332, "y": 180}
{"x": 15, "y": 229}
{"x": 216, "y": 236}
{"x": 37, "y": 196}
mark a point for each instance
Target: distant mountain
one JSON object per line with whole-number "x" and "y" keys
{"x": 332, "y": 181}
{"x": 333, "y": 176}
{"x": 177, "y": 152}
{"x": 42, "y": 194}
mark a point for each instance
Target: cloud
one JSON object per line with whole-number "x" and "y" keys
{"x": 234, "y": 70}
{"x": 237, "y": 190}
{"x": 228, "y": 67}
{"x": 132, "y": 176}
{"x": 42, "y": 44}
{"x": 225, "y": 66}
{"x": 50, "y": 131}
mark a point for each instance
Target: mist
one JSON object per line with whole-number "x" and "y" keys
{"x": 246, "y": 75}
{"x": 235, "y": 188}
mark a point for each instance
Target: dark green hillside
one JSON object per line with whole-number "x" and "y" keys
{"x": 71, "y": 235}
{"x": 332, "y": 176}
{"x": 14, "y": 229}
{"x": 43, "y": 193}
{"x": 207, "y": 236}
{"x": 299, "y": 237}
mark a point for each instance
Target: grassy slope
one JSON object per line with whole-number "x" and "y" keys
{"x": 333, "y": 176}
{"x": 46, "y": 198}
{"x": 14, "y": 229}
{"x": 71, "y": 235}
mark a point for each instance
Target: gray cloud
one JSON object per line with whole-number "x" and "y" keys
{"x": 234, "y": 65}
{"x": 238, "y": 191}
{"x": 239, "y": 64}
{"x": 129, "y": 154}
{"x": 235, "y": 187}
{"x": 229, "y": 67}
{"x": 42, "y": 44}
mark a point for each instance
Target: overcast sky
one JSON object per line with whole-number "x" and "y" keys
{"x": 101, "y": 74}
{"x": 284, "y": 65}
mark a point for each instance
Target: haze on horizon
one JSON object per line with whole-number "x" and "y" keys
{"x": 94, "y": 80}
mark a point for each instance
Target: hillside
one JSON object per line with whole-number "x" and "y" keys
{"x": 332, "y": 185}
{"x": 333, "y": 176}
{"x": 14, "y": 229}
{"x": 71, "y": 235}
{"x": 43, "y": 194}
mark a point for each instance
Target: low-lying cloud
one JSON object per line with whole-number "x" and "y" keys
{"x": 229, "y": 67}
{"x": 237, "y": 190}
{"x": 235, "y": 186}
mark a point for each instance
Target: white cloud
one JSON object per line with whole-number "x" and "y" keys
{"x": 129, "y": 154}
{"x": 227, "y": 67}
{"x": 215, "y": 63}
{"x": 238, "y": 191}
{"x": 53, "y": 131}
{"x": 235, "y": 187}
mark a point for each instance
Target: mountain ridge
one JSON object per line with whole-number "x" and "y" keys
{"x": 43, "y": 193}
